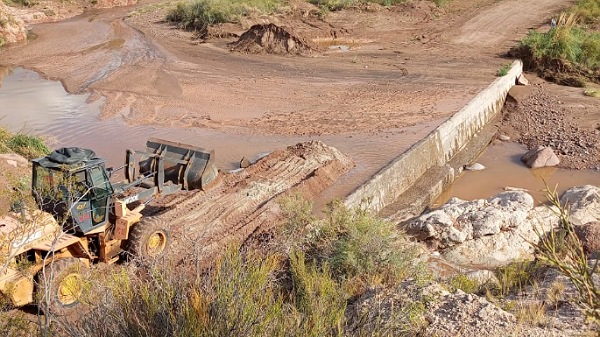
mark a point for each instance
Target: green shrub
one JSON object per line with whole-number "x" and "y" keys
{"x": 563, "y": 251}
{"x": 319, "y": 299}
{"x": 587, "y": 10}
{"x": 26, "y": 145}
{"x": 199, "y": 14}
{"x": 362, "y": 248}
{"x": 515, "y": 277}
{"x": 463, "y": 283}
{"x": 503, "y": 71}
{"x": 563, "y": 48}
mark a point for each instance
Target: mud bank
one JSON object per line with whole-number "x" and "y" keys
{"x": 432, "y": 164}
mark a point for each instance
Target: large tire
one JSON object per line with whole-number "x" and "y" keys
{"x": 148, "y": 239}
{"x": 61, "y": 287}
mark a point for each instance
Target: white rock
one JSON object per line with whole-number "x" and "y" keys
{"x": 584, "y": 203}
{"x": 542, "y": 156}
{"x": 474, "y": 167}
{"x": 522, "y": 80}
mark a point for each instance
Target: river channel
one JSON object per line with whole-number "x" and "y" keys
{"x": 31, "y": 104}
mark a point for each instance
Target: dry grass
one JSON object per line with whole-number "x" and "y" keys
{"x": 562, "y": 250}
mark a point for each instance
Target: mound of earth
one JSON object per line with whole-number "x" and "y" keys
{"x": 248, "y": 201}
{"x": 12, "y": 28}
{"x": 271, "y": 39}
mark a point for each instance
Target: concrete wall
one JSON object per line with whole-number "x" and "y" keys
{"x": 437, "y": 149}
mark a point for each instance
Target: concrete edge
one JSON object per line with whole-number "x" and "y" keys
{"x": 437, "y": 149}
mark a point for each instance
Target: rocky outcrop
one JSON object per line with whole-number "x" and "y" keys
{"x": 12, "y": 28}
{"x": 458, "y": 220}
{"x": 493, "y": 232}
{"x": 589, "y": 234}
{"x": 584, "y": 204}
{"x": 542, "y": 156}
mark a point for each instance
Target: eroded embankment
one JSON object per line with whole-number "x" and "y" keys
{"x": 431, "y": 164}
{"x": 203, "y": 222}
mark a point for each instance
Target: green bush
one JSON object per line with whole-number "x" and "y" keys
{"x": 566, "y": 50}
{"x": 562, "y": 250}
{"x": 319, "y": 299}
{"x": 515, "y": 277}
{"x": 199, "y": 14}
{"x": 503, "y": 71}
{"x": 239, "y": 295}
{"x": 588, "y": 11}
{"x": 362, "y": 249}
{"x": 26, "y": 145}
{"x": 464, "y": 283}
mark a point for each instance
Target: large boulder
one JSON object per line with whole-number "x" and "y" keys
{"x": 486, "y": 232}
{"x": 516, "y": 244}
{"x": 459, "y": 220}
{"x": 583, "y": 203}
{"x": 589, "y": 234}
{"x": 496, "y": 231}
{"x": 542, "y": 156}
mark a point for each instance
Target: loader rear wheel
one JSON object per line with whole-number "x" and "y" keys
{"x": 61, "y": 286}
{"x": 148, "y": 239}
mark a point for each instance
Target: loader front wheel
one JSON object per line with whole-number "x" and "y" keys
{"x": 60, "y": 286}
{"x": 148, "y": 239}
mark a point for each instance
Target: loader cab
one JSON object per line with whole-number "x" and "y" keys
{"x": 73, "y": 185}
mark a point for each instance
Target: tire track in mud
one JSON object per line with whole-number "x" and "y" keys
{"x": 247, "y": 201}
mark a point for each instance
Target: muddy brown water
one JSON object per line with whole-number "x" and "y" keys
{"x": 32, "y": 104}
{"x": 504, "y": 169}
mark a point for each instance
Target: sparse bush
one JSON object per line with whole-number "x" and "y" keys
{"x": 515, "y": 277}
{"x": 562, "y": 250}
{"x": 334, "y": 5}
{"x": 363, "y": 249}
{"x": 319, "y": 299}
{"x": 26, "y": 145}
{"x": 531, "y": 312}
{"x": 23, "y": 3}
{"x": 564, "y": 50}
{"x": 587, "y": 10}
{"x": 464, "y": 283}
{"x": 503, "y": 71}
{"x": 197, "y": 15}
{"x": 298, "y": 216}
{"x": 592, "y": 93}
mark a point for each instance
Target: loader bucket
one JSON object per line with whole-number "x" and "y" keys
{"x": 192, "y": 167}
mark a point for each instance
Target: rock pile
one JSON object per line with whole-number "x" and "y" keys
{"x": 493, "y": 232}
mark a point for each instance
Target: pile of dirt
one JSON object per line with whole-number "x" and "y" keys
{"x": 271, "y": 39}
{"x": 248, "y": 201}
{"x": 534, "y": 116}
{"x": 12, "y": 28}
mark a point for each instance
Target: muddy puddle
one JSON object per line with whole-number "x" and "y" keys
{"x": 504, "y": 169}
{"x": 32, "y": 104}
